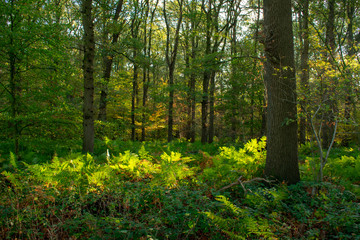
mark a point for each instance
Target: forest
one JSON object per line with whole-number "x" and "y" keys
{"x": 179, "y": 119}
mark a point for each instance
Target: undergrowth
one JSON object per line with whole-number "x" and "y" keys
{"x": 155, "y": 190}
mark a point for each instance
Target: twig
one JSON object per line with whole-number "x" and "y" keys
{"x": 239, "y": 182}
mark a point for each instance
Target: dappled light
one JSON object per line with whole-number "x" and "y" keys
{"x": 179, "y": 119}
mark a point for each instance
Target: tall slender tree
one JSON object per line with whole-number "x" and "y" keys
{"x": 304, "y": 67}
{"x": 88, "y": 69}
{"x": 170, "y": 55}
{"x": 330, "y": 82}
{"x": 108, "y": 59}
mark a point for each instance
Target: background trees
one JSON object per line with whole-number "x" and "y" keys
{"x": 216, "y": 90}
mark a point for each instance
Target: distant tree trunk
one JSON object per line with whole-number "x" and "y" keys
{"x": 134, "y": 31}
{"x": 304, "y": 66}
{"x": 145, "y": 76}
{"x": 107, "y": 67}
{"x": 190, "y": 55}
{"x": 89, "y": 54}
{"x": 349, "y": 86}
{"x": 14, "y": 81}
{"x": 205, "y": 87}
{"x": 212, "y": 108}
{"x": 282, "y": 148}
{"x": 134, "y": 96}
{"x": 171, "y": 61}
{"x": 192, "y": 112}
{"x": 350, "y": 10}
{"x": 14, "y": 89}
{"x": 329, "y": 88}
{"x": 146, "y": 68}
{"x": 256, "y": 36}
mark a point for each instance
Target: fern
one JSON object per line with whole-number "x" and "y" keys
{"x": 13, "y": 160}
{"x": 13, "y": 179}
{"x": 243, "y": 223}
{"x": 230, "y": 164}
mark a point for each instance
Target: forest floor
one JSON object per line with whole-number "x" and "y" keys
{"x": 181, "y": 190}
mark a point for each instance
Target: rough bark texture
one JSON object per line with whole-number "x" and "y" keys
{"x": 282, "y": 148}
{"x": 89, "y": 53}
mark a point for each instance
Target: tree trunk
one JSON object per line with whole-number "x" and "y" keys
{"x": 282, "y": 148}
{"x": 134, "y": 97}
{"x": 171, "y": 63}
{"x": 329, "y": 88}
{"x": 14, "y": 89}
{"x": 205, "y": 88}
{"x": 89, "y": 54}
{"x": 212, "y": 108}
{"x": 108, "y": 61}
{"x": 349, "y": 86}
{"x": 304, "y": 65}
{"x": 189, "y": 59}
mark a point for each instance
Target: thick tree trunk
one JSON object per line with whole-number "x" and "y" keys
{"x": 282, "y": 148}
{"x": 89, "y": 54}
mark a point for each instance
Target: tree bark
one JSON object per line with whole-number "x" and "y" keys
{"x": 171, "y": 61}
{"x": 212, "y": 108}
{"x": 190, "y": 55}
{"x": 134, "y": 94}
{"x": 88, "y": 68}
{"x": 282, "y": 148}
{"x": 108, "y": 61}
{"x": 329, "y": 84}
{"x": 304, "y": 65}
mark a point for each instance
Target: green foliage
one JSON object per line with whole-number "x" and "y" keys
{"x": 284, "y": 211}
{"x": 345, "y": 167}
{"x": 230, "y": 163}
{"x": 242, "y": 223}
{"x": 166, "y": 191}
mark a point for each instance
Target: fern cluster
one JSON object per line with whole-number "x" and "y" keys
{"x": 239, "y": 223}
{"x": 230, "y": 163}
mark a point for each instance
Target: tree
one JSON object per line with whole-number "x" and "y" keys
{"x": 330, "y": 82}
{"x": 170, "y": 56}
{"x": 191, "y": 44}
{"x": 282, "y": 145}
{"x": 88, "y": 69}
{"x": 304, "y": 67}
{"x": 108, "y": 62}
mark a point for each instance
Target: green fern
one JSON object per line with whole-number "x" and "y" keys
{"x": 242, "y": 224}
